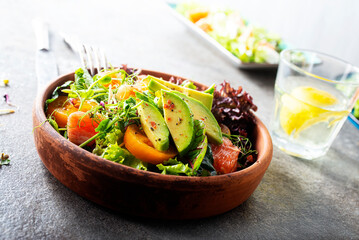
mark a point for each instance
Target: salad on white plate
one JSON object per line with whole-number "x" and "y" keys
{"x": 249, "y": 43}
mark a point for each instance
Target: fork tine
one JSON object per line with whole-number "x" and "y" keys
{"x": 97, "y": 58}
{"x": 104, "y": 59}
{"x": 92, "y": 58}
{"x": 90, "y": 54}
{"x": 82, "y": 54}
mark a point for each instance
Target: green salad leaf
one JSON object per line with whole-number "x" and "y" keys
{"x": 55, "y": 93}
{"x": 189, "y": 84}
{"x": 211, "y": 89}
{"x": 83, "y": 79}
{"x": 120, "y": 155}
{"x": 175, "y": 167}
{"x": 206, "y": 168}
{"x": 4, "y": 159}
{"x": 115, "y": 136}
{"x": 146, "y": 96}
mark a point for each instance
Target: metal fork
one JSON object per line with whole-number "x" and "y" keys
{"x": 91, "y": 57}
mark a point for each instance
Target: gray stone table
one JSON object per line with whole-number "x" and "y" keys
{"x": 296, "y": 199}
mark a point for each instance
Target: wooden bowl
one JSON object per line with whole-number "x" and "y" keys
{"x": 143, "y": 193}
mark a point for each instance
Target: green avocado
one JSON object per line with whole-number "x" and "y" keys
{"x": 200, "y": 112}
{"x": 179, "y": 119}
{"x": 154, "y": 126}
{"x": 156, "y": 84}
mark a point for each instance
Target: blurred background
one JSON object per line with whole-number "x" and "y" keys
{"x": 322, "y": 25}
{"x": 145, "y": 34}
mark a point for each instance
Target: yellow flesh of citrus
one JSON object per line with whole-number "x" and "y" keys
{"x": 302, "y": 109}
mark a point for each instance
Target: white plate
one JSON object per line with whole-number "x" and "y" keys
{"x": 213, "y": 43}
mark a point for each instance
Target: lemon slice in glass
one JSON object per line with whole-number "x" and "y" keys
{"x": 304, "y": 107}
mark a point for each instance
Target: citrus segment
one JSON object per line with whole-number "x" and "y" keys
{"x": 301, "y": 109}
{"x": 314, "y": 96}
{"x": 225, "y": 156}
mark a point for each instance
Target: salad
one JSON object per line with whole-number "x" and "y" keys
{"x": 168, "y": 127}
{"x": 249, "y": 43}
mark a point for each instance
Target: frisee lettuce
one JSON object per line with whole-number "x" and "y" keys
{"x": 115, "y": 153}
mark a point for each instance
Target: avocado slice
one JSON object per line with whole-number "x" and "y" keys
{"x": 179, "y": 119}
{"x": 156, "y": 84}
{"x": 200, "y": 112}
{"x": 154, "y": 126}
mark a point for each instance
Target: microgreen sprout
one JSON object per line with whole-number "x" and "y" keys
{"x": 247, "y": 152}
{"x": 8, "y": 102}
{"x": 4, "y": 159}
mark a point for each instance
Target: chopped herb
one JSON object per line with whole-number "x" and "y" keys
{"x": 4, "y": 160}
{"x": 248, "y": 155}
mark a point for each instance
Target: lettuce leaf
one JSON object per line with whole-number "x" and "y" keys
{"x": 120, "y": 155}
{"x": 83, "y": 79}
{"x": 206, "y": 168}
{"x": 174, "y": 167}
{"x": 56, "y": 92}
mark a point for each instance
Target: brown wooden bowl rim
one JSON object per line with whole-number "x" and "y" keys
{"x": 107, "y": 166}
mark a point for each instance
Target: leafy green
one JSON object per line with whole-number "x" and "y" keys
{"x": 198, "y": 146}
{"x": 247, "y": 154}
{"x": 85, "y": 87}
{"x": 55, "y": 93}
{"x": 120, "y": 155}
{"x": 5, "y": 162}
{"x": 103, "y": 128}
{"x": 112, "y": 128}
{"x": 174, "y": 167}
{"x": 105, "y": 79}
{"x": 83, "y": 79}
{"x": 189, "y": 84}
{"x": 211, "y": 89}
{"x": 4, "y": 159}
{"x": 127, "y": 113}
{"x": 206, "y": 168}
{"x": 112, "y": 137}
{"x": 53, "y": 123}
{"x": 147, "y": 97}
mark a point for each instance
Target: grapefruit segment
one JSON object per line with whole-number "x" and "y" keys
{"x": 225, "y": 156}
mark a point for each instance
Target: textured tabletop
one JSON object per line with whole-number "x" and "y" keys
{"x": 296, "y": 199}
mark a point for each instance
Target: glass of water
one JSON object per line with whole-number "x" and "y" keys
{"x": 314, "y": 93}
